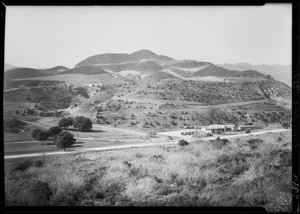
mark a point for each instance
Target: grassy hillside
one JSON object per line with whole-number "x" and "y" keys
{"x": 242, "y": 172}
{"x": 20, "y": 73}
{"x": 45, "y": 98}
{"x": 87, "y": 70}
{"x": 202, "y": 92}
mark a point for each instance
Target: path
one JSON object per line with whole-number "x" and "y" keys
{"x": 137, "y": 145}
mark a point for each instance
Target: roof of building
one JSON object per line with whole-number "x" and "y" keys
{"x": 219, "y": 126}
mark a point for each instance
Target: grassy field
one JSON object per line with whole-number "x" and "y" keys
{"x": 24, "y": 135}
{"x": 237, "y": 173}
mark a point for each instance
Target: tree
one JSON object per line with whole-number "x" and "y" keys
{"x": 65, "y": 122}
{"x": 35, "y": 132}
{"x": 183, "y": 143}
{"x": 82, "y": 123}
{"x": 42, "y": 136}
{"x": 54, "y": 130}
{"x": 64, "y": 140}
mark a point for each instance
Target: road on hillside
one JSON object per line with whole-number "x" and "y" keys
{"x": 106, "y": 148}
{"x": 188, "y": 103}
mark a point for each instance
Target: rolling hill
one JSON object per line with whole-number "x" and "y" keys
{"x": 87, "y": 69}
{"x": 281, "y": 73}
{"x": 145, "y": 61}
{"x": 149, "y": 76}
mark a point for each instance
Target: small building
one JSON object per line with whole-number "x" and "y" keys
{"x": 221, "y": 129}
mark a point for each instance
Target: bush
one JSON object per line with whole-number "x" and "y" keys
{"x": 254, "y": 143}
{"x": 42, "y": 191}
{"x": 13, "y": 125}
{"x": 286, "y": 125}
{"x": 54, "y": 130}
{"x": 64, "y": 140}
{"x": 183, "y": 143}
{"x": 83, "y": 123}
{"x": 22, "y": 166}
{"x": 219, "y": 143}
{"x": 35, "y": 132}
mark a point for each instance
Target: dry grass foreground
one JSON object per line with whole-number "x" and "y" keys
{"x": 236, "y": 173}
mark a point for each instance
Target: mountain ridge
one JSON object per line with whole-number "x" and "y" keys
{"x": 281, "y": 73}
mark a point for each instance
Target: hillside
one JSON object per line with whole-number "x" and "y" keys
{"x": 20, "y": 73}
{"x": 281, "y": 73}
{"x": 8, "y": 67}
{"x": 148, "y": 61}
{"x": 111, "y": 88}
{"x": 87, "y": 70}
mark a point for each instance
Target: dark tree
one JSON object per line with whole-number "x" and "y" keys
{"x": 54, "y": 130}
{"x": 35, "y": 132}
{"x": 182, "y": 143}
{"x": 65, "y": 122}
{"x": 82, "y": 123}
{"x": 64, "y": 140}
{"x": 41, "y": 136}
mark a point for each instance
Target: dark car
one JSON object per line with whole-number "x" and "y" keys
{"x": 247, "y": 131}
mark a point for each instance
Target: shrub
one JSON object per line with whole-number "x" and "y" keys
{"x": 183, "y": 143}
{"x": 22, "y": 166}
{"x": 64, "y": 140}
{"x": 286, "y": 125}
{"x": 254, "y": 143}
{"x": 42, "y": 191}
{"x": 54, "y": 130}
{"x": 13, "y": 125}
{"x": 82, "y": 123}
{"x": 219, "y": 143}
{"x": 35, "y": 132}
{"x": 38, "y": 163}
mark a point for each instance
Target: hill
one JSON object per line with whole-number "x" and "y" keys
{"x": 55, "y": 70}
{"x": 87, "y": 70}
{"x": 281, "y": 73}
{"x": 8, "y": 67}
{"x": 113, "y": 58}
{"x": 148, "y": 61}
{"x": 21, "y": 73}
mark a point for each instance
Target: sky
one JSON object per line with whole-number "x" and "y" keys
{"x": 47, "y": 36}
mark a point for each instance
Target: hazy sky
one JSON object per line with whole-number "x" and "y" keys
{"x": 49, "y": 36}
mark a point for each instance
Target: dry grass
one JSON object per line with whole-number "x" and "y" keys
{"x": 195, "y": 175}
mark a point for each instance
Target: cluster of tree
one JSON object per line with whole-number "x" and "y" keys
{"x": 13, "y": 125}
{"x": 62, "y": 139}
{"x": 81, "y": 123}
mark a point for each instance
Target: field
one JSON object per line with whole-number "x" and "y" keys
{"x": 203, "y": 173}
{"x": 24, "y": 135}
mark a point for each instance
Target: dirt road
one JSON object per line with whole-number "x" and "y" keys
{"x": 106, "y": 148}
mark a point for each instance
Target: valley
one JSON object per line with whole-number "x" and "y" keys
{"x": 142, "y": 102}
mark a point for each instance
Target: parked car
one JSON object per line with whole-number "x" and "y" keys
{"x": 247, "y": 131}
